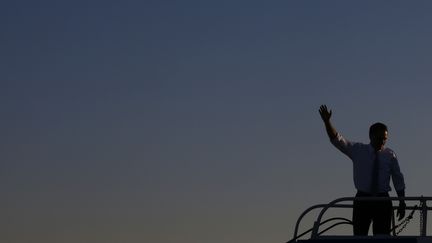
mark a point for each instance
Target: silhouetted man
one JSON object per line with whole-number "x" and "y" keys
{"x": 373, "y": 166}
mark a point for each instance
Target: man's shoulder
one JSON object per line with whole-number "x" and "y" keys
{"x": 390, "y": 152}
{"x": 361, "y": 145}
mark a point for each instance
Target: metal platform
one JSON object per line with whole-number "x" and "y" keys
{"x": 369, "y": 239}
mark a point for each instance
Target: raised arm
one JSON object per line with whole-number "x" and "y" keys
{"x": 325, "y": 116}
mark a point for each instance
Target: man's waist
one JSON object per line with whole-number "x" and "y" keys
{"x": 369, "y": 194}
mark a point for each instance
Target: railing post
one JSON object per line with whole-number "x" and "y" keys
{"x": 315, "y": 230}
{"x": 424, "y": 216}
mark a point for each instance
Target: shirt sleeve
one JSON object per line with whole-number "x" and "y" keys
{"x": 343, "y": 145}
{"x": 397, "y": 176}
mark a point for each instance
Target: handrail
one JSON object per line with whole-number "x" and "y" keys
{"x": 310, "y": 209}
{"x": 344, "y": 221}
{"x": 334, "y": 204}
{"x": 330, "y": 227}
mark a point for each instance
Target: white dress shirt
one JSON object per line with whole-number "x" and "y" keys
{"x": 363, "y": 156}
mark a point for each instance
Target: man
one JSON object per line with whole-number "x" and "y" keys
{"x": 373, "y": 166}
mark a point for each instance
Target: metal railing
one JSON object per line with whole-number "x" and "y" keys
{"x": 315, "y": 230}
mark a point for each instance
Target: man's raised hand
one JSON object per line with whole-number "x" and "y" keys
{"x": 325, "y": 113}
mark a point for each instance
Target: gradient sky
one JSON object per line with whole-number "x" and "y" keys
{"x": 197, "y": 121}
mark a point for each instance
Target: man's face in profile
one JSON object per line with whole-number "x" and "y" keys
{"x": 378, "y": 139}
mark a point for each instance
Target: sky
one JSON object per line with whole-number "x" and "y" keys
{"x": 197, "y": 121}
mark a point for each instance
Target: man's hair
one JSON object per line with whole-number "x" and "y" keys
{"x": 377, "y": 127}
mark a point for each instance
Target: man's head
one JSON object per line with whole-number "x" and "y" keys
{"x": 378, "y": 135}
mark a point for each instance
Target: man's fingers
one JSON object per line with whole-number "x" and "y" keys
{"x": 323, "y": 110}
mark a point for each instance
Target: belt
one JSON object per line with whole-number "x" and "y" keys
{"x": 368, "y": 194}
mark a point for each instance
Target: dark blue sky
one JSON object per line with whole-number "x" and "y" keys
{"x": 197, "y": 121}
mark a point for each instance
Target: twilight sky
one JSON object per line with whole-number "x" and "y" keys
{"x": 197, "y": 121}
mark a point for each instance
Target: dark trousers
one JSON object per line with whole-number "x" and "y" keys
{"x": 378, "y": 212}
